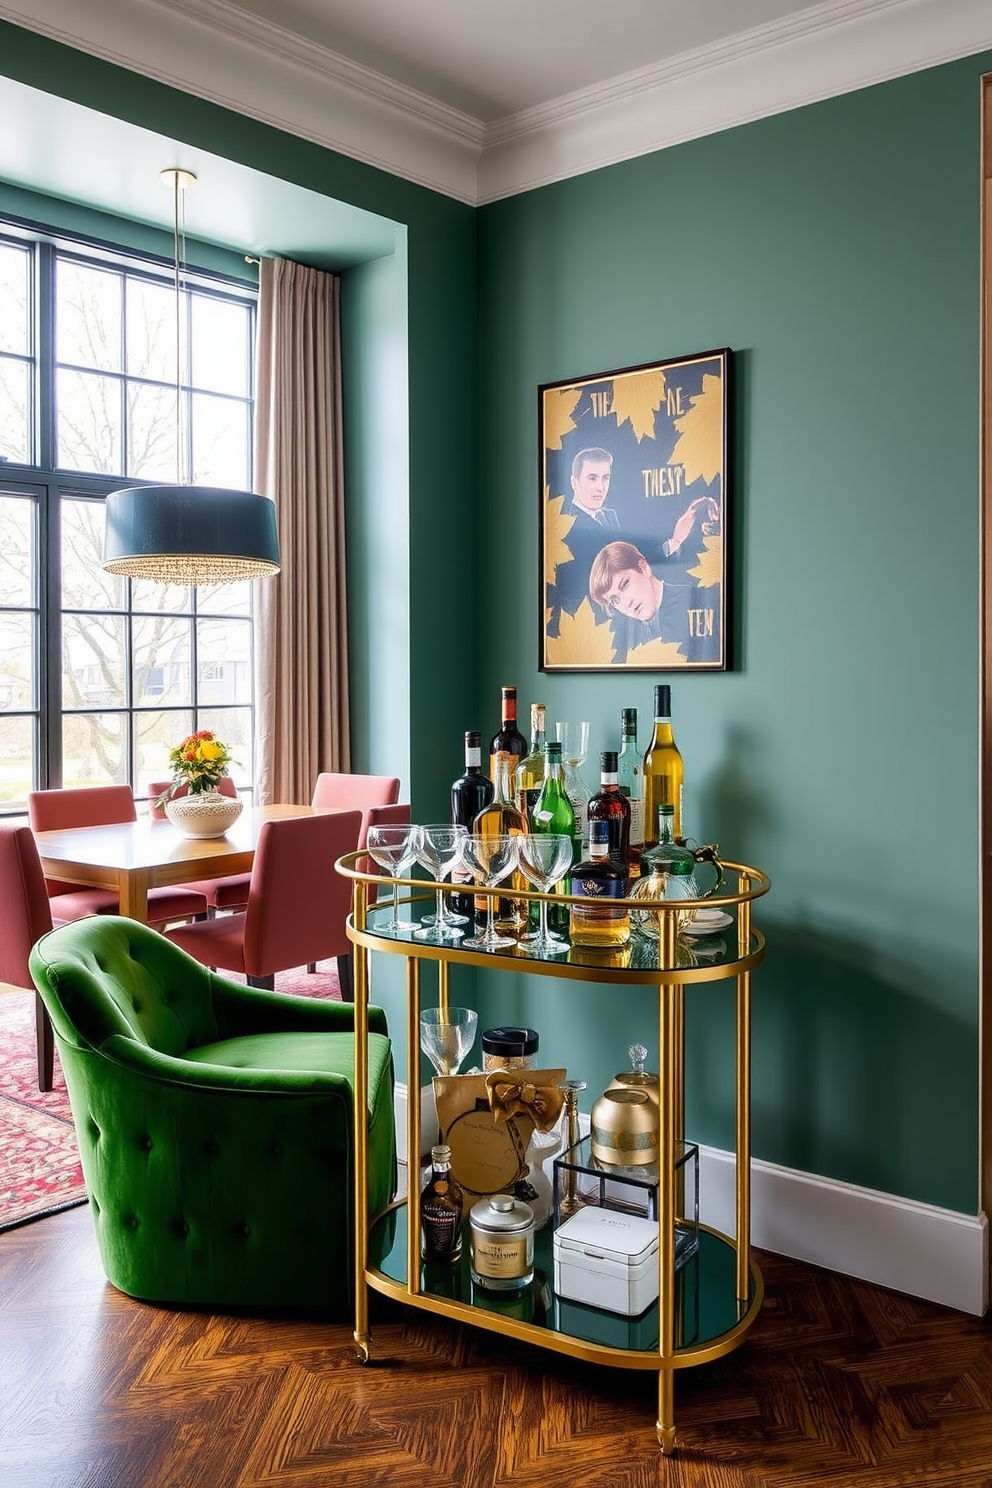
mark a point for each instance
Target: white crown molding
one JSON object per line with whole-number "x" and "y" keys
{"x": 216, "y": 51}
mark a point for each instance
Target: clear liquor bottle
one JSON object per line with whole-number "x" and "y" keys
{"x": 441, "y": 1206}
{"x": 662, "y": 769}
{"x": 600, "y": 922}
{"x": 530, "y": 771}
{"x": 630, "y": 777}
{"x": 611, "y": 806}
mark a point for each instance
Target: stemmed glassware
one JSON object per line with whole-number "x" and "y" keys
{"x": 438, "y": 848}
{"x": 544, "y": 859}
{"x": 491, "y": 859}
{"x": 392, "y": 848}
{"x": 446, "y": 1036}
{"x": 574, "y": 740}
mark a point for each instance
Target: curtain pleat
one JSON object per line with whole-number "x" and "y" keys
{"x": 301, "y": 629}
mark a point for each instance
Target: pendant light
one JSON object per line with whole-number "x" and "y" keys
{"x": 185, "y": 534}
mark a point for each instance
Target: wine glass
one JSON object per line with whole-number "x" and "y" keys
{"x": 491, "y": 859}
{"x": 544, "y": 860}
{"x": 392, "y": 848}
{"x": 446, "y": 1036}
{"x": 438, "y": 848}
{"x": 574, "y": 740}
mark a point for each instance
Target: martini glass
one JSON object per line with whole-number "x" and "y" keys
{"x": 392, "y": 848}
{"x": 446, "y": 1036}
{"x": 491, "y": 859}
{"x": 544, "y": 859}
{"x": 438, "y": 848}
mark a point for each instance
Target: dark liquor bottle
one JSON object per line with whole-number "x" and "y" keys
{"x": 530, "y": 771}
{"x": 611, "y": 806}
{"x": 509, "y": 741}
{"x": 470, "y": 793}
{"x": 599, "y": 921}
{"x": 630, "y": 777}
{"x": 553, "y": 814}
{"x": 662, "y": 769}
{"x": 441, "y": 1204}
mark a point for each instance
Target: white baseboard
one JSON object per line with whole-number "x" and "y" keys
{"x": 937, "y": 1254}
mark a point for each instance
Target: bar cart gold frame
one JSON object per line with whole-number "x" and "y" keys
{"x": 671, "y": 981}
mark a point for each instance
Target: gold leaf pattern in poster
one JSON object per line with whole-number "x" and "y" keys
{"x": 558, "y": 406}
{"x": 581, "y": 640}
{"x": 656, "y": 653}
{"x": 638, "y": 397}
{"x": 709, "y": 570}
{"x": 699, "y": 446}
{"x": 557, "y": 525}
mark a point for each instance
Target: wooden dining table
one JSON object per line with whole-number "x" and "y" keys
{"x": 133, "y": 857}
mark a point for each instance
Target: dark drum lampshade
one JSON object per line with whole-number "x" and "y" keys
{"x": 190, "y": 535}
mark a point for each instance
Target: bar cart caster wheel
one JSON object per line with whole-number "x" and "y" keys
{"x": 666, "y": 1440}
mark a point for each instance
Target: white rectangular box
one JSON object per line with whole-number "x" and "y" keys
{"x": 607, "y": 1259}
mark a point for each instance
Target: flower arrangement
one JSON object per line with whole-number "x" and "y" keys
{"x": 198, "y": 762}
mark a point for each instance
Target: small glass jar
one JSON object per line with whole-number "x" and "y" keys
{"x": 509, "y": 1048}
{"x": 501, "y": 1236}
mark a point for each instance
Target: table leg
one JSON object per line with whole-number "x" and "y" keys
{"x": 132, "y": 888}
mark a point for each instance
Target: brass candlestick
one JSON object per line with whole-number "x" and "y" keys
{"x": 570, "y": 1202}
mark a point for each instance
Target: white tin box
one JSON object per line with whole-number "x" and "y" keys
{"x": 607, "y": 1259}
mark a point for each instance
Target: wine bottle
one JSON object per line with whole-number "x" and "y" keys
{"x": 469, "y": 794}
{"x": 500, "y": 818}
{"x": 662, "y": 769}
{"x": 599, "y": 880}
{"x": 553, "y": 814}
{"x": 611, "y": 806}
{"x": 509, "y": 740}
{"x": 441, "y": 1204}
{"x": 630, "y": 777}
{"x": 530, "y": 771}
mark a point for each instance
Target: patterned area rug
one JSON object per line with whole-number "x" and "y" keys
{"x": 39, "y": 1159}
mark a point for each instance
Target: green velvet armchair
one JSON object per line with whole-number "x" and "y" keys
{"x": 214, "y": 1121}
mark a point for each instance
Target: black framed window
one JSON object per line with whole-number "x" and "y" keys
{"x": 100, "y": 676}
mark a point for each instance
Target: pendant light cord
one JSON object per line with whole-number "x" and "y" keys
{"x": 180, "y": 443}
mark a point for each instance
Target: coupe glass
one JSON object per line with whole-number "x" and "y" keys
{"x": 438, "y": 848}
{"x": 392, "y": 848}
{"x": 446, "y": 1036}
{"x": 574, "y": 740}
{"x": 491, "y": 859}
{"x": 544, "y": 860}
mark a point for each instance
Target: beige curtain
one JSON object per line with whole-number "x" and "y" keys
{"x": 301, "y": 635}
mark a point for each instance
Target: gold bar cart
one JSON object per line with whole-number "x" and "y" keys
{"x": 705, "y": 1309}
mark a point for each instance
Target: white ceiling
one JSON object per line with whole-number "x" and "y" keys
{"x": 477, "y": 99}
{"x": 493, "y": 58}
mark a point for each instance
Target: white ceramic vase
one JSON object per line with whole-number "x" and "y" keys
{"x": 206, "y": 815}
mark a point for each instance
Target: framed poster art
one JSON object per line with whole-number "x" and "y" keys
{"x": 634, "y": 519}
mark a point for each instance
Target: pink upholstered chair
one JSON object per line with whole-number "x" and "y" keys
{"x": 25, "y": 915}
{"x": 297, "y": 904}
{"x": 98, "y": 806}
{"x": 230, "y": 892}
{"x": 355, "y": 792}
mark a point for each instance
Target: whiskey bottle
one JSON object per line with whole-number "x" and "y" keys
{"x": 599, "y": 922}
{"x": 502, "y": 819}
{"x": 611, "y": 806}
{"x": 441, "y": 1204}
{"x": 662, "y": 769}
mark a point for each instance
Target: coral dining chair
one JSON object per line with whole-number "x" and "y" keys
{"x": 100, "y": 806}
{"x": 25, "y": 916}
{"x": 297, "y": 903}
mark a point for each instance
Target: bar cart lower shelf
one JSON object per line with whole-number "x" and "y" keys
{"x": 705, "y": 1307}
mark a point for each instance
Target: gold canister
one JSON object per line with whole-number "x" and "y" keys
{"x": 637, "y": 1078}
{"x": 624, "y": 1128}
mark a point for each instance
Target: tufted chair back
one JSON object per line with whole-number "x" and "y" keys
{"x": 215, "y": 1122}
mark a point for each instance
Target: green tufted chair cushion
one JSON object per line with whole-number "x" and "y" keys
{"x": 214, "y": 1121}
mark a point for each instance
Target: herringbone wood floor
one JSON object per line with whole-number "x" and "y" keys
{"x": 839, "y": 1385}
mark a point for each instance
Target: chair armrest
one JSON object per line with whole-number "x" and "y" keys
{"x": 241, "y": 1009}
{"x": 167, "y": 1069}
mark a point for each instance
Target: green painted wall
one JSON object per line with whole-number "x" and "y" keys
{"x": 836, "y": 250}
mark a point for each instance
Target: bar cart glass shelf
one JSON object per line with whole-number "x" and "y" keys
{"x": 706, "y": 1306}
